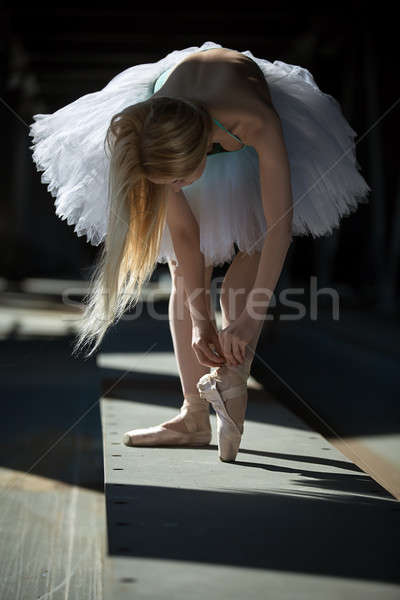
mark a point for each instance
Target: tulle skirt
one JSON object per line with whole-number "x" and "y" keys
{"x": 226, "y": 201}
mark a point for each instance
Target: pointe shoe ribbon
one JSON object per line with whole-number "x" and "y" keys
{"x": 229, "y": 434}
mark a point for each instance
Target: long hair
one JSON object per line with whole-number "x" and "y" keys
{"x": 160, "y": 137}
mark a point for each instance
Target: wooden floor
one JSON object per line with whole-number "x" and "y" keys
{"x": 52, "y": 513}
{"x": 52, "y": 532}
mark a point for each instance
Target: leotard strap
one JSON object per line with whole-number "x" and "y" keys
{"x": 160, "y": 82}
{"x": 227, "y": 131}
{"x": 162, "y": 79}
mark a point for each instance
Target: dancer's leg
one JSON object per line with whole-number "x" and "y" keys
{"x": 195, "y": 409}
{"x": 190, "y": 370}
{"x": 237, "y": 284}
{"x": 192, "y": 425}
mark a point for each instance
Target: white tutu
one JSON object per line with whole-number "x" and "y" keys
{"x": 68, "y": 146}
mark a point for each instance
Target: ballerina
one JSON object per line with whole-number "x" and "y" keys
{"x": 209, "y": 147}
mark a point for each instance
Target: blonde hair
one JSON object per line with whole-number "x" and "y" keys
{"x": 160, "y": 137}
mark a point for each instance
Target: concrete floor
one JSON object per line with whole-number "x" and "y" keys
{"x": 294, "y": 517}
{"x": 291, "y": 518}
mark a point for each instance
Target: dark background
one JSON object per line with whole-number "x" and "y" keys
{"x": 55, "y": 55}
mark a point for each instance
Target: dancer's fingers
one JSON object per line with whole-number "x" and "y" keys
{"x": 226, "y": 346}
{"x": 236, "y": 349}
{"x": 217, "y": 352}
{"x": 216, "y": 345}
{"x": 203, "y": 360}
{"x": 206, "y": 355}
{"x": 243, "y": 349}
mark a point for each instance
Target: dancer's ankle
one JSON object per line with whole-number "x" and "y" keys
{"x": 194, "y": 415}
{"x": 233, "y": 374}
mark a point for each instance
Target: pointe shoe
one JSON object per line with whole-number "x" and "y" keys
{"x": 233, "y": 398}
{"x": 191, "y": 427}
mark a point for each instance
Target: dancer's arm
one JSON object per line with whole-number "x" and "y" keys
{"x": 264, "y": 133}
{"x": 266, "y": 137}
{"x": 185, "y": 235}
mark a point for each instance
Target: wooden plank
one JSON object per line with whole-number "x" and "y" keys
{"x": 52, "y": 532}
{"x": 52, "y": 515}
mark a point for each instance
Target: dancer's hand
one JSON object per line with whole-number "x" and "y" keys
{"x": 204, "y": 340}
{"x": 234, "y": 340}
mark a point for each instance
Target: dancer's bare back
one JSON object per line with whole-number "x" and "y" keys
{"x": 235, "y": 92}
{"x": 229, "y": 83}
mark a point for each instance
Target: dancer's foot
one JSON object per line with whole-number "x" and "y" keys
{"x": 226, "y": 390}
{"x": 191, "y": 427}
